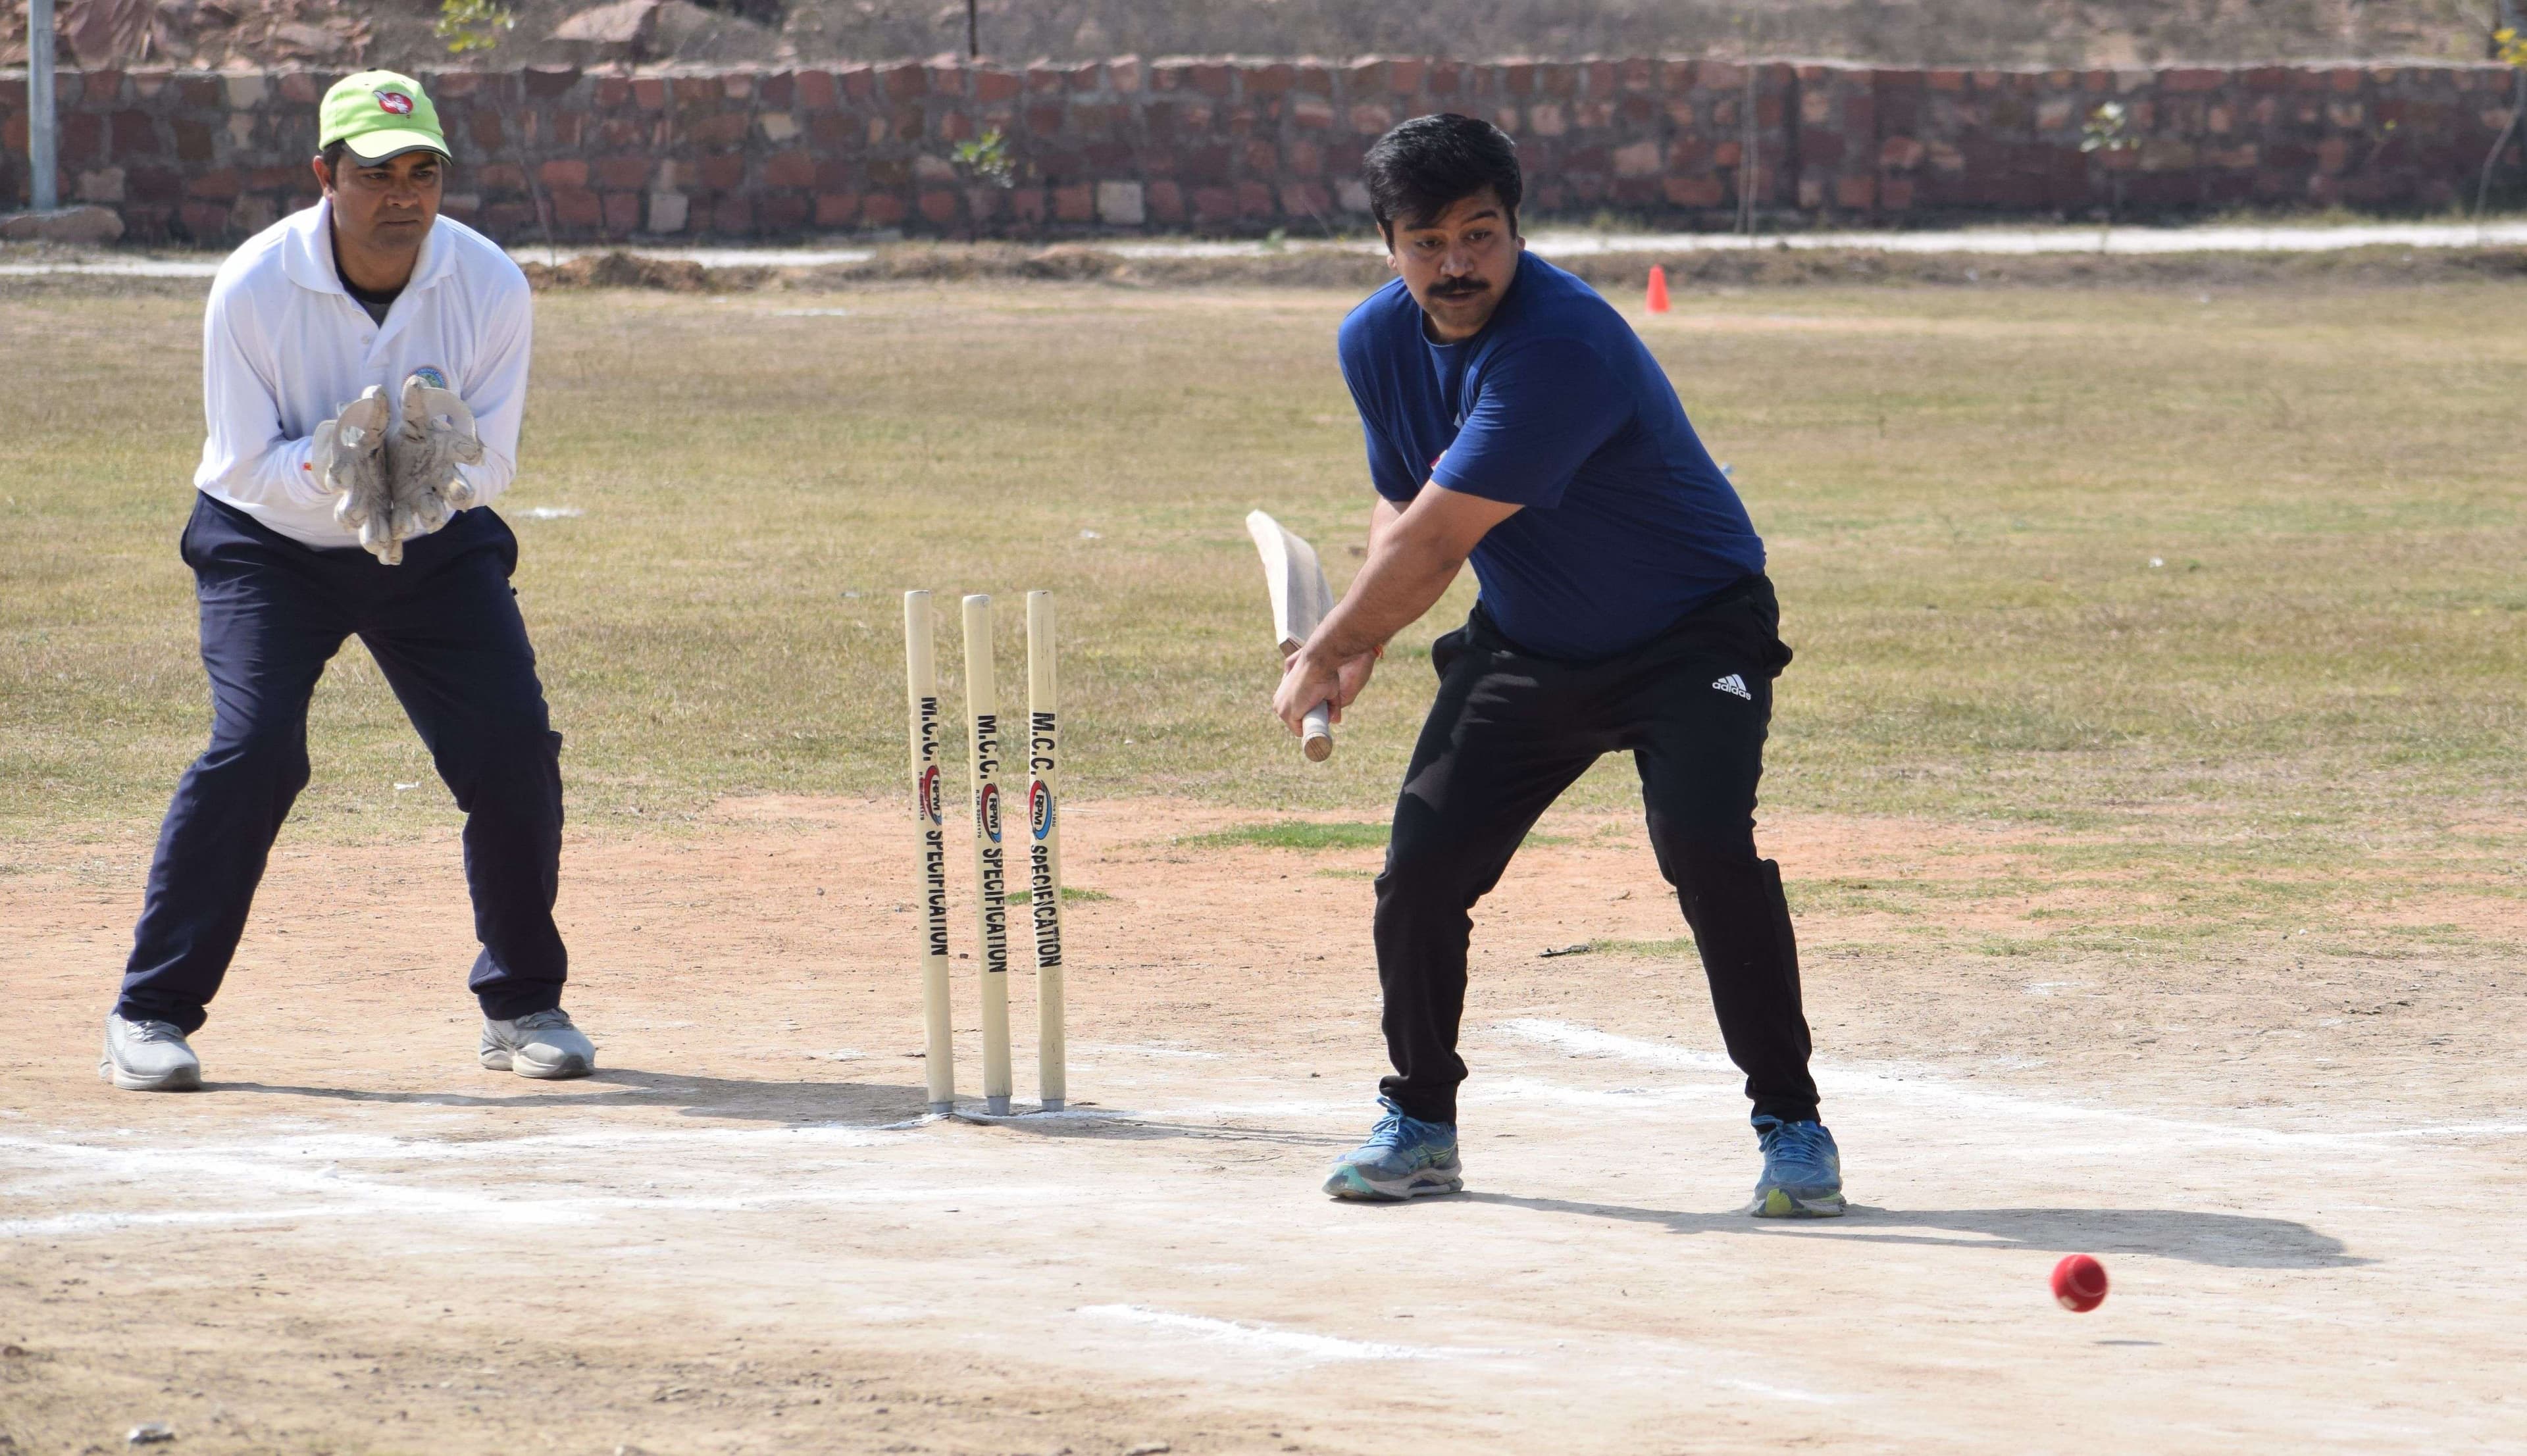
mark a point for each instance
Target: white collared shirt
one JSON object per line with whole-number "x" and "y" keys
{"x": 283, "y": 348}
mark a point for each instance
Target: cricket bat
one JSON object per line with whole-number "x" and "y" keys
{"x": 1300, "y": 600}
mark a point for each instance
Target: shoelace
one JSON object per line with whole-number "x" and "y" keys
{"x": 154, "y": 1032}
{"x": 543, "y": 1021}
{"x": 1799, "y": 1142}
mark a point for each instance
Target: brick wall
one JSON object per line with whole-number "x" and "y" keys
{"x": 1214, "y": 145}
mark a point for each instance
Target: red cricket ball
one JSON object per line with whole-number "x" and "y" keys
{"x": 2080, "y": 1283}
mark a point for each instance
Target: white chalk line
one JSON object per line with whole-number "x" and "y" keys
{"x": 1265, "y": 1338}
{"x": 1920, "y": 1086}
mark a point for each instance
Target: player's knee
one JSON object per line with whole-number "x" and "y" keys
{"x": 264, "y": 750}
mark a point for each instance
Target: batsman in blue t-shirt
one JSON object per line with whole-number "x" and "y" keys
{"x": 1515, "y": 420}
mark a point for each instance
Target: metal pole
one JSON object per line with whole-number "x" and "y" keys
{"x": 43, "y": 155}
{"x": 973, "y": 30}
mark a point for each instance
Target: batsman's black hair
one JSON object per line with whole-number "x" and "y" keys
{"x": 1419, "y": 168}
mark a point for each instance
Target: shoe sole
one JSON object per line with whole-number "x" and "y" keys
{"x": 1348, "y": 1185}
{"x": 181, "y": 1080}
{"x": 562, "y": 1070}
{"x": 1781, "y": 1203}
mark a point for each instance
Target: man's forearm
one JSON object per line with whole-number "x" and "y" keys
{"x": 1406, "y": 576}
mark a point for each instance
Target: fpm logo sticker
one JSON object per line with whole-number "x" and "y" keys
{"x": 394, "y": 101}
{"x": 988, "y": 812}
{"x": 1040, "y": 808}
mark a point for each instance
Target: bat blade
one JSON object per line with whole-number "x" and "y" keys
{"x": 1301, "y": 599}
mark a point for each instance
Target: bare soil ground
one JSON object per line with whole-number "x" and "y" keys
{"x": 742, "y": 1236}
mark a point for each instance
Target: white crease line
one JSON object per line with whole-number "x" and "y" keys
{"x": 1263, "y": 1337}
{"x": 1919, "y": 1085}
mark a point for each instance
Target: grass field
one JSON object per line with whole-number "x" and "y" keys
{"x": 2148, "y": 786}
{"x": 2220, "y": 593}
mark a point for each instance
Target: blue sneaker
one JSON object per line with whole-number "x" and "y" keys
{"x": 1802, "y": 1172}
{"x": 1404, "y": 1158}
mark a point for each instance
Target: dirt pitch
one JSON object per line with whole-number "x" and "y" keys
{"x": 742, "y": 1236}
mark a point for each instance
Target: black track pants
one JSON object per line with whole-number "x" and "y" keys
{"x": 1508, "y": 733}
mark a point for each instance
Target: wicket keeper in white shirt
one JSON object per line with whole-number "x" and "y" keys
{"x": 364, "y": 372}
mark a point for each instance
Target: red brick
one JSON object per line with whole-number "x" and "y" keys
{"x": 837, "y": 209}
{"x": 901, "y": 82}
{"x": 1267, "y": 80}
{"x": 1076, "y": 203}
{"x": 1859, "y": 194}
{"x": 939, "y": 206}
{"x": 817, "y": 91}
{"x": 2345, "y": 79}
{"x": 96, "y": 88}
{"x": 134, "y": 134}
{"x": 577, "y": 206}
{"x": 1598, "y": 76}
{"x": 1215, "y": 205}
{"x": 622, "y": 213}
{"x": 300, "y": 88}
{"x": 613, "y": 91}
{"x": 997, "y": 85}
{"x": 792, "y": 169}
{"x": 1945, "y": 80}
{"x": 220, "y": 186}
{"x": 1695, "y": 191}
{"x": 858, "y": 82}
{"x": 955, "y": 124}
{"x": 650, "y": 92}
{"x": 484, "y": 126}
{"x": 204, "y": 221}
{"x": 1405, "y": 78}
{"x": 1305, "y": 199}
{"x": 1026, "y": 204}
{"x": 945, "y": 81}
{"x": 733, "y": 217}
{"x": 1254, "y": 200}
{"x": 567, "y": 172}
{"x": 623, "y": 173}
{"x": 779, "y": 90}
{"x": 724, "y": 173}
{"x": 726, "y": 130}
{"x": 1896, "y": 194}
{"x": 785, "y": 211}
{"x": 882, "y": 210}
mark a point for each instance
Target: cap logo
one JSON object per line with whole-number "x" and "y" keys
{"x": 394, "y": 101}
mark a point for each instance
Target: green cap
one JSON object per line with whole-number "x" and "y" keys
{"x": 380, "y": 115}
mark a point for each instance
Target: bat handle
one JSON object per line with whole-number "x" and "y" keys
{"x": 1316, "y": 740}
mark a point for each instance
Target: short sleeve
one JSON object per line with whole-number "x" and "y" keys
{"x": 1390, "y": 470}
{"x": 1540, "y": 411}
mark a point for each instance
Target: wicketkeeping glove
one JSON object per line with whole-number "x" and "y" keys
{"x": 434, "y": 437}
{"x": 349, "y": 455}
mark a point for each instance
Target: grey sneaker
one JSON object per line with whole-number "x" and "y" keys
{"x": 542, "y": 1044}
{"x": 148, "y": 1057}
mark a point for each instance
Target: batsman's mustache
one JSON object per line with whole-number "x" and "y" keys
{"x": 1460, "y": 288}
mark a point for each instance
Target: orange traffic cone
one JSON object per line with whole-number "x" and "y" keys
{"x": 1658, "y": 288}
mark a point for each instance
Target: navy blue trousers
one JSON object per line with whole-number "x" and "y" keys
{"x": 444, "y": 629}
